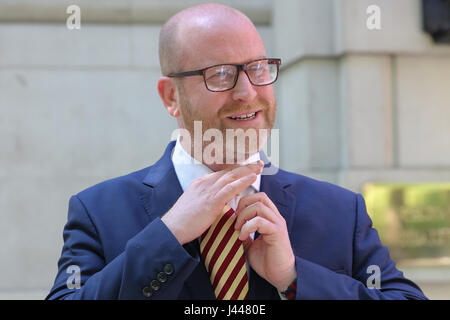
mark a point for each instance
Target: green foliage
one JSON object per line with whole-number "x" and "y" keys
{"x": 413, "y": 220}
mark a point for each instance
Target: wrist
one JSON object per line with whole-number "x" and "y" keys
{"x": 173, "y": 229}
{"x": 291, "y": 292}
{"x": 289, "y": 278}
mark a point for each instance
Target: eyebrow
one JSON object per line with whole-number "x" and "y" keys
{"x": 210, "y": 63}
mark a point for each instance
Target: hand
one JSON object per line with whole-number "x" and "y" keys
{"x": 271, "y": 254}
{"x": 203, "y": 201}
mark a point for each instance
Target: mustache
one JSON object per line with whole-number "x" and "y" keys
{"x": 231, "y": 109}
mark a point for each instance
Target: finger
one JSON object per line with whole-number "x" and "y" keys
{"x": 247, "y": 243}
{"x": 229, "y": 191}
{"x": 249, "y": 199}
{"x": 214, "y": 176}
{"x": 255, "y": 209}
{"x": 263, "y": 226}
{"x": 211, "y": 178}
{"x": 237, "y": 173}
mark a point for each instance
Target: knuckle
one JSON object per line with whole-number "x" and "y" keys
{"x": 231, "y": 174}
{"x": 242, "y": 204}
{"x": 198, "y": 182}
{"x": 253, "y": 207}
{"x": 265, "y": 198}
{"x": 259, "y": 205}
{"x": 283, "y": 223}
{"x": 258, "y": 220}
{"x": 228, "y": 188}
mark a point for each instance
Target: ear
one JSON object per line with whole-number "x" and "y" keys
{"x": 169, "y": 95}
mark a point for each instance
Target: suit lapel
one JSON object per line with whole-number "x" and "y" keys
{"x": 277, "y": 191}
{"x": 164, "y": 186}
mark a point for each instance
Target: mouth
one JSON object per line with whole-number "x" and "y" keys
{"x": 245, "y": 116}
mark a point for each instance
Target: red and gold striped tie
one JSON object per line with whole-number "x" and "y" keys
{"x": 223, "y": 255}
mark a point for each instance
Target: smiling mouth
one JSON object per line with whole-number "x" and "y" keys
{"x": 244, "y": 117}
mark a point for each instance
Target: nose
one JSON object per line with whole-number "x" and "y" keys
{"x": 244, "y": 91}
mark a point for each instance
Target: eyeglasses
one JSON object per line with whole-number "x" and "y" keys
{"x": 223, "y": 77}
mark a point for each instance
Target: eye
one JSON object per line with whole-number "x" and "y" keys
{"x": 258, "y": 67}
{"x": 224, "y": 72}
{"x": 220, "y": 73}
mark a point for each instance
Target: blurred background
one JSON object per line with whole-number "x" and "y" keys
{"x": 363, "y": 102}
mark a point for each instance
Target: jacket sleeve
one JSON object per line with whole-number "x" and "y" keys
{"x": 317, "y": 282}
{"x": 153, "y": 251}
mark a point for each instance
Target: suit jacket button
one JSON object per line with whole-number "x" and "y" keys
{"x": 147, "y": 292}
{"x": 154, "y": 285}
{"x": 162, "y": 277}
{"x": 168, "y": 269}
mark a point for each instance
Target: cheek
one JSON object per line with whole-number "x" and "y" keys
{"x": 209, "y": 105}
{"x": 267, "y": 94}
{"x": 203, "y": 102}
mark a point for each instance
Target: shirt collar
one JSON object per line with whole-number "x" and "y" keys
{"x": 189, "y": 169}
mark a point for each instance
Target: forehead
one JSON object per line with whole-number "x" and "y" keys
{"x": 205, "y": 43}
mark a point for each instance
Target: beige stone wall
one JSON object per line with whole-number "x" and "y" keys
{"x": 369, "y": 105}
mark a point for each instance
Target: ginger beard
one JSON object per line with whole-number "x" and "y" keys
{"x": 238, "y": 141}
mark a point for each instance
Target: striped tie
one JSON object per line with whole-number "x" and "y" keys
{"x": 223, "y": 254}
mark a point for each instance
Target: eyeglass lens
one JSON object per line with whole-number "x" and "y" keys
{"x": 223, "y": 77}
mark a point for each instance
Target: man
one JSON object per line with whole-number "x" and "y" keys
{"x": 191, "y": 228}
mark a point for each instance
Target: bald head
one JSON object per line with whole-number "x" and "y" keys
{"x": 178, "y": 36}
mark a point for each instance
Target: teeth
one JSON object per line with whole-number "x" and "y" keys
{"x": 245, "y": 116}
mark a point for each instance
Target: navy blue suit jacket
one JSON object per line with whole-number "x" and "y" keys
{"x": 115, "y": 236}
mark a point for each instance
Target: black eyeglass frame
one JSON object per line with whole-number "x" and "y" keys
{"x": 240, "y": 67}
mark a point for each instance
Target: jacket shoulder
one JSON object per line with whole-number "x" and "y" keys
{"x": 297, "y": 180}
{"x": 114, "y": 188}
{"x": 314, "y": 188}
